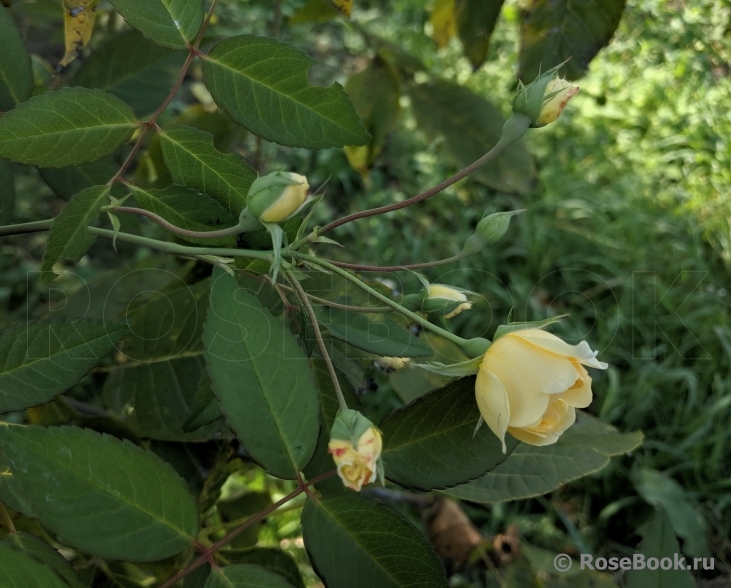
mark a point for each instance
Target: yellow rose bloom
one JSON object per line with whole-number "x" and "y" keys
{"x": 529, "y": 384}
{"x": 357, "y": 466}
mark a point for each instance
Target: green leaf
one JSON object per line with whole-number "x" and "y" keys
{"x": 43, "y": 552}
{"x": 69, "y": 237}
{"x": 476, "y": 21}
{"x": 658, "y": 488}
{"x": 169, "y": 23}
{"x": 69, "y": 181}
{"x": 262, "y": 84}
{"x": 193, "y": 161}
{"x": 66, "y": 127}
{"x": 98, "y": 494}
{"x": 19, "y": 570}
{"x": 375, "y": 93}
{"x": 261, "y": 378}
{"x": 354, "y": 542}
{"x": 7, "y": 192}
{"x": 659, "y": 542}
{"x": 530, "y": 471}
{"x": 41, "y": 359}
{"x": 245, "y": 576}
{"x": 431, "y": 443}
{"x": 16, "y": 73}
{"x": 385, "y": 337}
{"x": 274, "y": 560}
{"x": 555, "y": 30}
{"x": 134, "y": 70}
{"x": 204, "y": 409}
{"x": 156, "y": 386}
{"x": 470, "y": 127}
{"x": 188, "y": 209}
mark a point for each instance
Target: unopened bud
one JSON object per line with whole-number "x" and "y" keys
{"x": 490, "y": 229}
{"x": 445, "y": 300}
{"x": 543, "y": 100}
{"x": 278, "y": 196}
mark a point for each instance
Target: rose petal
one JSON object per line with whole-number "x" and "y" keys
{"x": 492, "y": 400}
{"x": 581, "y": 352}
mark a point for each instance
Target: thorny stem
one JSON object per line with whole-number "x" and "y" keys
{"x": 152, "y": 122}
{"x": 227, "y": 232}
{"x": 511, "y": 134}
{"x": 396, "y": 268}
{"x": 6, "y": 519}
{"x": 302, "y": 295}
{"x": 233, "y": 534}
{"x": 385, "y": 299}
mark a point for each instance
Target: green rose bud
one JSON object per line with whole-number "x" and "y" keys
{"x": 278, "y": 196}
{"x": 445, "y": 300}
{"x": 490, "y": 229}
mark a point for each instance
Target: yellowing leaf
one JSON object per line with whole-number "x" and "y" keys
{"x": 344, "y": 6}
{"x": 78, "y": 19}
{"x": 443, "y": 21}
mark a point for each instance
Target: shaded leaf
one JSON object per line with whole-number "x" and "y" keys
{"x": 66, "y": 127}
{"x": 78, "y": 24}
{"x": 385, "y": 337}
{"x": 7, "y": 192}
{"x": 188, "y": 209}
{"x": 204, "y": 409}
{"x": 314, "y": 11}
{"x": 169, "y": 23}
{"x": 431, "y": 443}
{"x": 471, "y": 126}
{"x": 375, "y": 93}
{"x": 16, "y": 73}
{"x": 193, "y": 161}
{"x": 530, "y": 471}
{"x": 42, "y": 551}
{"x": 261, "y": 378}
{"x": 41, "y": 359}
{"x": 659, "y": 542}
{"x": 245, "y": 576}
{"x": 555, "y": 30}
{"x": 262, "y": 84}
{"x": 354, "y": 542}
{"x": 19, "y": 570}
{"x": 476, "y": 21}
{"x": 66, "y": 182}
{"x": 443, "y": 22}
{"x": 274, "y": 560}
{"x": 103, "y": 496}
{"x": 69, "y": 237}
{"x": 134, "y": 70}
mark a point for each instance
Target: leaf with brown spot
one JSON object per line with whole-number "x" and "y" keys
{"x": 78, "y": 24}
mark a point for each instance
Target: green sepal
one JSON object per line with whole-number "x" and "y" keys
{"x": 503, "y": 330}
{"x": 349, "y": 425}
{"x": 455, "y": 370}
{"x": 529, "y": 99}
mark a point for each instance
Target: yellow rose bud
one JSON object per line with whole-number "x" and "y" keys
{"x": 558, "y": 93}
{"x": 529, "y": 384}
{"x": 450, "y": 300}
{"x": 392, "y": 363}
{"x": 357, "y": 464}
{"x": 278, "y": 196}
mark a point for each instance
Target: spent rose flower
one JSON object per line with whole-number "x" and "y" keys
{"x": 278, "y": 196}
{"x": 529, "y": 384}
{"x": 355, "y": 444}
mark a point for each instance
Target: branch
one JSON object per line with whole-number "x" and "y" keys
{"x": 396, "y": 268}
{"x": 518, "y": 126}
{"x": 177, "y": 230}
{"x": 22, "y": 228}
{"x": 302, "y": 295}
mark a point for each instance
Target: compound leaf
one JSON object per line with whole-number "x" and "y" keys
{"x": 66, "y": 127}
{"x": 262, "y": 379}
{"x": 103, "y": 496}
{"x": 262, "y": 84}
